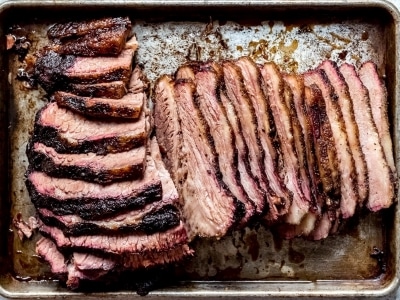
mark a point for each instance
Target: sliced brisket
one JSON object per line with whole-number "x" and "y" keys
{"x": 68, "y": 132}
{"x": 91, "y": 200}
{"x": 48, "y": 251}
{"x": 379, "y": 107}
{"x": 88, "y": 166}
{"x": 267, "y": 136}
{"x": 128, "y": 107}
{"x": 118, "y": 243}
{"x": 111, "y": 90}
{"x": 54, "y": 71}
{"x": 275, "y": 89}
{"x": 346, "y": 169}
{"x": 209, "y": 208}
{"x": 346, "y": 106}
{"x": 381, "y": 188}
{"x": 211, "y": 109}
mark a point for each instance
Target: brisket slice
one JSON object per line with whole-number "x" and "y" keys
{"x": 381, "y": 188}
{"x": 128, "y": 107}
{"x": 157, "y": 221}
{"x": 275, "y": 89}
{"x": 68, "y": 132}
{"x": 209, "y": 208}
{"x": 346, "y": 106}
{"x": 54, "y": 71}
{"x": 46, "y": 249}
{"x": 379, "y": 107}
{"x": 167, "y": 127}
{"x": 212, "y": 112}
{"x": 91, "y": 200}
{"x": 101, "y": 42}
{"x": 88, "y": 166}
{"x": 138, "y": 82}
{"x": 74, "y": 29}
{"x": 111, "y": 90}
{"x": 267, "y": 136}
{"x": 346, "y": 169}
{"x": 118, "y": 243}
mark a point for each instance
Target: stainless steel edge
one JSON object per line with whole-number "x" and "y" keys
{"x": 235, "y": 290}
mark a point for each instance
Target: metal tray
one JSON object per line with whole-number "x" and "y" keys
{"x": 254, "y": 262}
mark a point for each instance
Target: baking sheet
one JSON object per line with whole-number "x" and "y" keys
{"x": 252, "y": 261}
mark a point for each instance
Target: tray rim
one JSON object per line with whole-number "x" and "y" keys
{"x": 232, "y": 289}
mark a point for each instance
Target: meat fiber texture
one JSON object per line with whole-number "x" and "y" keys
{"x": 289, "y": 149}
{"x": 104, "y": 199}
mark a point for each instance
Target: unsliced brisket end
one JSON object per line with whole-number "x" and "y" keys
{"x": 101, "y": 42}
{"x": 209, "y": 208}
{"x": 379, "y": 107}
{"x": 346, "y": 104}
{"x": 74, "y": 29}
{"x": 346, "y": 169}
{"x": 118, "y": 243}
{"x": 111, "y": 90}
{"x": 381, "y": 188}
{"x": 155, "y": 221}
{"x": 91, "y": 200}
{"x": 54, "y": 71}
{"x": 212, "y": 111}
{"x": 89, "y": 167}
{"x": 275, "y": 89}
{"x": 267, "y": 135}
{"x": 128, "y": 107}
{"x": 68, "y": 132}
{"x": 46, "y": 249}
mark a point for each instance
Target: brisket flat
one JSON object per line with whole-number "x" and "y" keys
{"x": 346, "y": 169}
{"x": 88, "y": 166}
{"x": 381, "y": 187}
{"x": 379, "y": 107}
{"x": 346, "y": 106}
{"x": 267, "y": 135}
{"x": 54, "y": 71}
{"x": 68, "y": 132}
{"x": 128, "y": 107}
{"x": 275, "y": 89}
{"x": 211, "y": 109}
{"x": 118, "y": 243}
{"x": 209, "y": 208}
{"x": 157, "y": 221}
{"x": 111, "y": 90}
{"x": 91, "y": 200}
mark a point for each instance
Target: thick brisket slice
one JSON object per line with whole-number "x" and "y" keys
{"x": 156, "y": 221}
{"x": 212, "y": 111}
{"x": 379, "y": 107}
{"x": 267, "y": 135}
{"x": 381, "y": 189}
{"x": 73, "y": 29}
{"x": 102, "y": 42}
{"x": 209, "y": 208}
{"x": 55, "y": 71}
{"x": 89, "y": 167}
{"x": 118, "y": 243}
{"x": 111, "y": 90}
{"x": 128, "y": 107}
{"x": 167, "y": 126}
{"x": 346, "y": 105}
{"x": 48, "y": 251}
{"x": 92, "y": 200}
{"x": 346, "y": 169}
{"x": 275, "y": 89}
{"x": 68, "y": 132}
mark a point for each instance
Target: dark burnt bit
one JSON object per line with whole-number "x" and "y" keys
{"x": 18, "y": 41}
{"x": 379, "y": 255}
